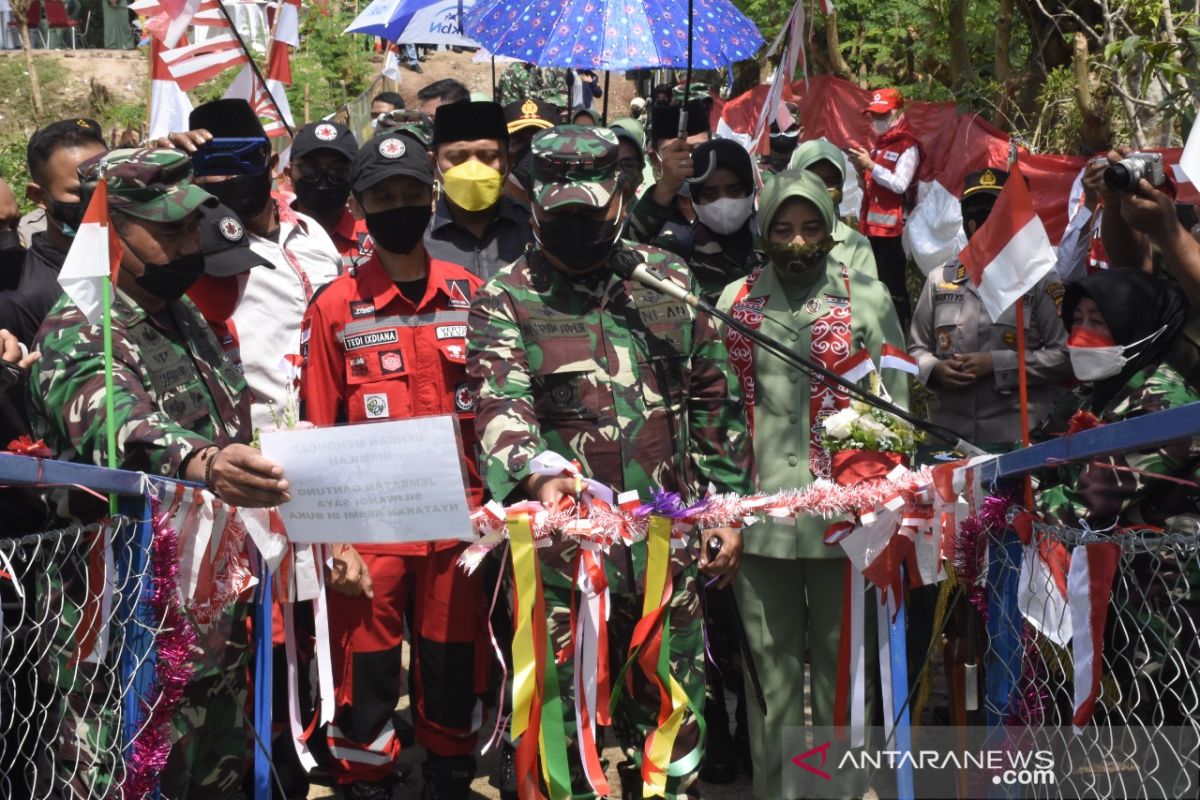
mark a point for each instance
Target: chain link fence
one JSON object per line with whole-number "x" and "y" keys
{"x": 1142, "y": 738}
{"x": 75, "y": 643}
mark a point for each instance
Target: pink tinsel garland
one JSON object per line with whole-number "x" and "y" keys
{"x": 173, "y": 666}
{"x": 970, "y": 548}
{"x": 605, "y": 525}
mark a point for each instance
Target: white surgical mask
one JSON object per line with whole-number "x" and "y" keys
{"x": 725, "y": 215}
{"x": 882, "y": 125}
{"x": 1097, "y": 363}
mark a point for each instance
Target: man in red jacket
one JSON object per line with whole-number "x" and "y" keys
{"x": 387, "y": 340}
{"x": 888, "y": 172}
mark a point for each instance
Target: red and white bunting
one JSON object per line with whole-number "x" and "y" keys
{"x": 170, "y": 106}
{"x": 193, "y": 64}
{"x": 1089, "y": 586}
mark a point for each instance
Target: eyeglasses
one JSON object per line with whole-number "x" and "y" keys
{"x": 630, "y": 165}
{"x": 336, "y": 175}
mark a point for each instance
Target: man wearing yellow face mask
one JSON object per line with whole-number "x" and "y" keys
{"x": 474, "y": 224}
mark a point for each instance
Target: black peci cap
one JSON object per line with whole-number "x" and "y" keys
{"x": 469, "y": 120}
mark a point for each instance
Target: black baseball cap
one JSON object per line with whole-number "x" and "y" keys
{"x": 325, "y": 135}
{"x": 223, "y": 240}
{"x": 386, "y": 155}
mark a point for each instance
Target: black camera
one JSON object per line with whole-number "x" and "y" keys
{"x": 1125, "y": 174}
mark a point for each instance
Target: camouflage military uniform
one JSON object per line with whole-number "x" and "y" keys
{"x": 631, "y": 384}
{"x": 520, "y": 81}
{"x": 714, "y": 264}
{"x": 175, "y": 393}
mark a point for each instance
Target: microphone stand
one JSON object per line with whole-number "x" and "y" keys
{"x": 629, "y": 266}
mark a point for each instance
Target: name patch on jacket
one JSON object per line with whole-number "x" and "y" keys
{"x": 371, "y": 339}
{"x": 451, "y": 332}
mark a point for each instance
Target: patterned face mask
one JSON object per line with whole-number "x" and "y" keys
{"x": 799, "y": 260}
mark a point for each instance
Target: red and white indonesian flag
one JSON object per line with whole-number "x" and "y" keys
{"x": 892, "y": 357}
{"x": 170, "y": 106}
{"x": 1011, "y": 252}
{"x": 94, "y": 257}
{"x": 856, "y": 367}
{"x": 1042, "y": 589}
{"x": 1089, "y": 586}
{"x": 193, "y": 64}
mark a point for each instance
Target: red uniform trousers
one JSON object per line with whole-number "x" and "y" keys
{"x": 445, "y": 608}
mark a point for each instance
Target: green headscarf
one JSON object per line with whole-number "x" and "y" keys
{"x": 814, "y": 150}
{"x": 802, "y": 262}
{"x": 786, "y": 185}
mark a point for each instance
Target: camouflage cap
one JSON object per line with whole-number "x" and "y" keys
{"x": 152, "y": 184}
{"x": 697, "y": 91}
{"x": 575, "y": 165}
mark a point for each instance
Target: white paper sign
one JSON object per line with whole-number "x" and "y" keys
{"x": 379, "y": 482}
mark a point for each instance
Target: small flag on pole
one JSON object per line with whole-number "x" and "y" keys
{"x": 95, "y": 256}
{"x": 1011, "y": 252}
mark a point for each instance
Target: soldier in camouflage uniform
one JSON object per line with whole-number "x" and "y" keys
{"x": 181, "y": 412}
{"x": 570, "y": 358}
{"x": 520, "y": 81}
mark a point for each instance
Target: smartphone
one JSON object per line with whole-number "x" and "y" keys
{"x": 231, "y": 156}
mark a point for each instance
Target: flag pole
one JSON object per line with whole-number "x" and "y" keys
{"x": 254, "y": 66}
{"x": 1022, "y": 375}
{"x": 110, "y": 421}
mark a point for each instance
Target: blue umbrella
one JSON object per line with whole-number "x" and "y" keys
{"x": 388, "y": 19}
{"x": 616, "y": 35}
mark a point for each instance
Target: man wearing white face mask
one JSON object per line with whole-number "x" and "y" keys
{"x": 721, "y": 241}
{"x": 887, "y": 172}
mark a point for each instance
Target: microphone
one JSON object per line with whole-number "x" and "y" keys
{"x": 630, "y": 266}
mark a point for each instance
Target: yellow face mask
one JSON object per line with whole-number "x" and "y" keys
{"x": 472, "y": 185}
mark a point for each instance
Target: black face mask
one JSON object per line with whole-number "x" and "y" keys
{"x": 168, "y": 282}
{"x": 67, "y": 216}
{"x": 578, "y": 242}
{"x": 321, "y": 197}
{"x": 244, "y": 195}
{"x": 398, "y": 230}
{"x": 978, "y": 216}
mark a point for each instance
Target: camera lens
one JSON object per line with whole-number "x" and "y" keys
{"x": 1122, "y": 176}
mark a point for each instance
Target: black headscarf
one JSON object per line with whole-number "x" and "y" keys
{"x": 1134, "y": 305}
